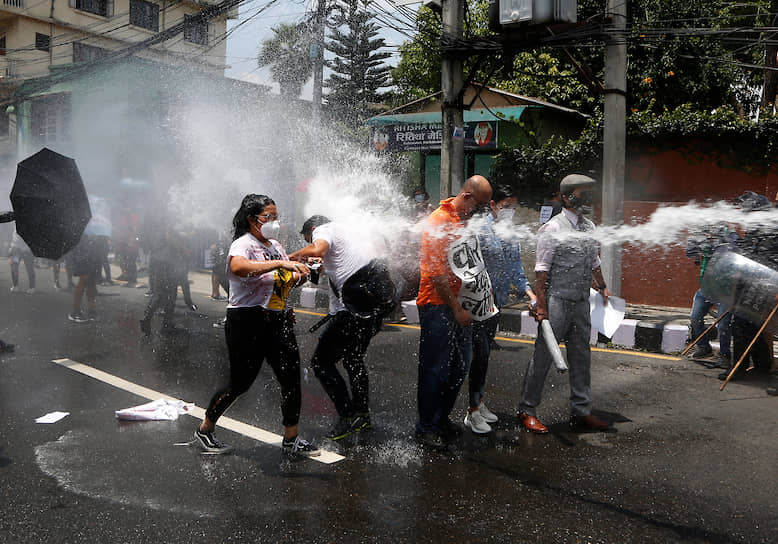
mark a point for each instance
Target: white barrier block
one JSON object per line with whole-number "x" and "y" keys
{"x": 528, "y": 324}
{"x": 674, "y": 337}
{"x": 625, "y": 334}
{"x": 308, "y": 297}
{"x": 410, "y": 310}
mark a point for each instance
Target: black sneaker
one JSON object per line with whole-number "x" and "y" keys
{"x": 343, "y": 428}
{"x": 361, "y": 422}
{"x": 210, "y": 443}
{"x": 78, "y": 318}
{"x": 6, "y": 348}
{"x": 298, "y": 446}
{"x": 449, "y": 430}
{"x": 699, "y": 353}
{"x": 431, "y": 441}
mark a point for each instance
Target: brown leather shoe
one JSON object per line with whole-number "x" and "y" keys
{"x": 531, "y": 423}
{"x": 590, "y": 422}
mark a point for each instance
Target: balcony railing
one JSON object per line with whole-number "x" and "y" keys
{"x": 14, "y": 3}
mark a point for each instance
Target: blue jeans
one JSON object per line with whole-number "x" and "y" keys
{"x": 445, "y": 350}
{"x": 700, "y": 308}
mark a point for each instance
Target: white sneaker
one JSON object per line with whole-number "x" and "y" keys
{"x": 477, "y": 423}
{"x": 31, "y": 290}
{"x": 16, "y": 289}
{"x": 487, "y": 414}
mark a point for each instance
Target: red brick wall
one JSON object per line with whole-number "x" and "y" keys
{"x": 665, "y": 276}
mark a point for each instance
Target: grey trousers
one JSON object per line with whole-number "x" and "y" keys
{"x": 571, "y": 324}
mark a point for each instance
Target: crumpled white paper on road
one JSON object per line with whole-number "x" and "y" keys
{"x": 606, "y": 318}
{"x": 155, "y": 410}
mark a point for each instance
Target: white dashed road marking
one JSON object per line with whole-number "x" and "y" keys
{"x": 228, "y": 423}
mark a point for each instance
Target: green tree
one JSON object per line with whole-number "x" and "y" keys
{"x": 674, "y": 58}
{"x": 287, "y": 53}
{"x": 358, "y": 68}
{"x": 541, "y": 74}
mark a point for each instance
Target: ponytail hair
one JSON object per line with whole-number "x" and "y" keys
{"x": 251, "y": 206}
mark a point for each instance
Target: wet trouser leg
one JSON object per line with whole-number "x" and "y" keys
{"x": 343, "y": 338}
{"x": 29, "y": 264}
{"x": 579, "y": 356}
{"x": 283, "y": 357}
{"x": 163, "y": 294}
{"x": 252, "y": 334}
{"x": 445, "y": 351}
{"x": 15, "y": 271}
{"x": 725, "y": 332}
{"x": 743, "y": 332}
{"x": 483, "y": 334}
{"x": 354, "y": 361}
{"x": 571, "y": 323}
{"x": 700, "y": 308}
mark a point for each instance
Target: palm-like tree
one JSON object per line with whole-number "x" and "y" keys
{"x": 289, "y": 57}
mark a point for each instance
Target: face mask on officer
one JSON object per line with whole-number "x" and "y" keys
{"x": 581, "y": 202}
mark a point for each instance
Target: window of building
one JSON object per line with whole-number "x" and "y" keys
{"x": 50, "y": 119}
{"x": 2, "y": 45}
{"x": 87, "y": 53}
{"x": 98, "y": 7}
{"x": 195, "y": 31}
{"x": 42, "y": 42}
{"x": 144, "y": 14}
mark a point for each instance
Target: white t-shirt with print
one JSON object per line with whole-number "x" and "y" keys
{"x": 270, "y": 290}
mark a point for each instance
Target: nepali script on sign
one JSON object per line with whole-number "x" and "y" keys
{"x": 467, "y": 263}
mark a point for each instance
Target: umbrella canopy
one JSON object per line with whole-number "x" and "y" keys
{"x": 50, "y": 204}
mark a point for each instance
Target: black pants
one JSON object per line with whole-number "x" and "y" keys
{"x": 483, "y": 335}
{"x": 253, "y": 335}
{"x": 743, "y": 333}
{"x": 164, "y": 288}
{"x": 345, "y": 337}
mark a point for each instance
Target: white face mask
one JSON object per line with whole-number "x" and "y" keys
{"x": 270, "y": 230}
{"x": 505, "y": 214}
{"x": 419, "y": 198}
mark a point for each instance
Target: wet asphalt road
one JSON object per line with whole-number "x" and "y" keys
{"x": 687, "y": 463}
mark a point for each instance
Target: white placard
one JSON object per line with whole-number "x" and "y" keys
{"x": 467, "y": 263}
{"x": 606, "y": 318}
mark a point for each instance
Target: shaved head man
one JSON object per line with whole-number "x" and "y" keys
{"x": 453, "y": 291}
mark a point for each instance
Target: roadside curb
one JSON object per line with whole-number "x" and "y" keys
{"x": 661, "y": 334}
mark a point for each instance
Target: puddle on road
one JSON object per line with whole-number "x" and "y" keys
{"x": 77, "y": 464}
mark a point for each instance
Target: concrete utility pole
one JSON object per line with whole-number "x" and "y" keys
{"x": 452, "y": 150}
{"x": 318, "y": 62}
{"x": 614, "y": 138}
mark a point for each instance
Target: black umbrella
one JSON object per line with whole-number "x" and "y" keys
{"x": 50, "y": 204}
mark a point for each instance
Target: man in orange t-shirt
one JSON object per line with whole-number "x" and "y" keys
{"x": 445, "y": 345}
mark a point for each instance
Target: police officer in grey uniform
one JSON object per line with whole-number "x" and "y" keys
{"x": 567, "y": 265}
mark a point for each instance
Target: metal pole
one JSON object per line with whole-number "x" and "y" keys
{"x": 452, "y": 150}
{"x": 318, "y": 63}
{"x": 614, "y": 137}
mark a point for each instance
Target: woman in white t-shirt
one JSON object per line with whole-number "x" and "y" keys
{"x": 259, "y": 326}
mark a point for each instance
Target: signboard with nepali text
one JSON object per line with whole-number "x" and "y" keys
{"x": 427, "y": 136}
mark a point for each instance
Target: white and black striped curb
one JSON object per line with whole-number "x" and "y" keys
{"x": 655, "y": 336}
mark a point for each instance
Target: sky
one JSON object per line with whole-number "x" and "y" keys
{"x": 250, "y": 29}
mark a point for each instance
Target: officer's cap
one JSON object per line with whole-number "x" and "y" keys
{"x": 572, "y": 181}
